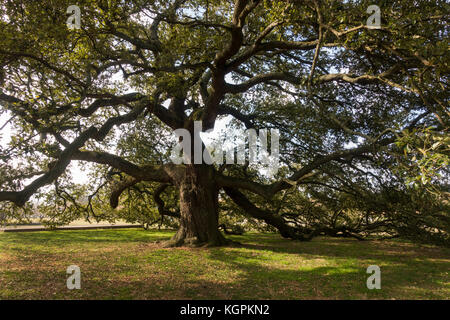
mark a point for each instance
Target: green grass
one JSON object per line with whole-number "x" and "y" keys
{"x": 128, "y": 264}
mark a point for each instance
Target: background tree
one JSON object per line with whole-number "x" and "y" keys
{"x": 343, "y": 95}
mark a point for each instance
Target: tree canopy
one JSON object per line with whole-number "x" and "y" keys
{"x": 362, "y": 114}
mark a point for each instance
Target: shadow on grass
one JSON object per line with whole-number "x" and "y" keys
{"x": 265, "y": 267}
{"x": 254, "y": 282}
{"x": 346, "y": 279}
{"x": 258, "y": 283}
{"x": 386, "y": 250}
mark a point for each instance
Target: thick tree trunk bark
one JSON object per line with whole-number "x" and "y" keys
{"x": 198, "y": 209}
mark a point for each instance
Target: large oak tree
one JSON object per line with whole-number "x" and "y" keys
{"x": 342, "y": 94}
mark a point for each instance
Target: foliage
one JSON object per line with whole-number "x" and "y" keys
{"x": 362, "y": 112}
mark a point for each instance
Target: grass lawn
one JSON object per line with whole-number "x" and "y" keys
{"x": 128, "y": 264}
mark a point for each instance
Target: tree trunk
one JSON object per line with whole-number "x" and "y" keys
{"x": 199, "y": 214}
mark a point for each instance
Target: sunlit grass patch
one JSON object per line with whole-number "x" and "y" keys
{"x": 130, "y": 264}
